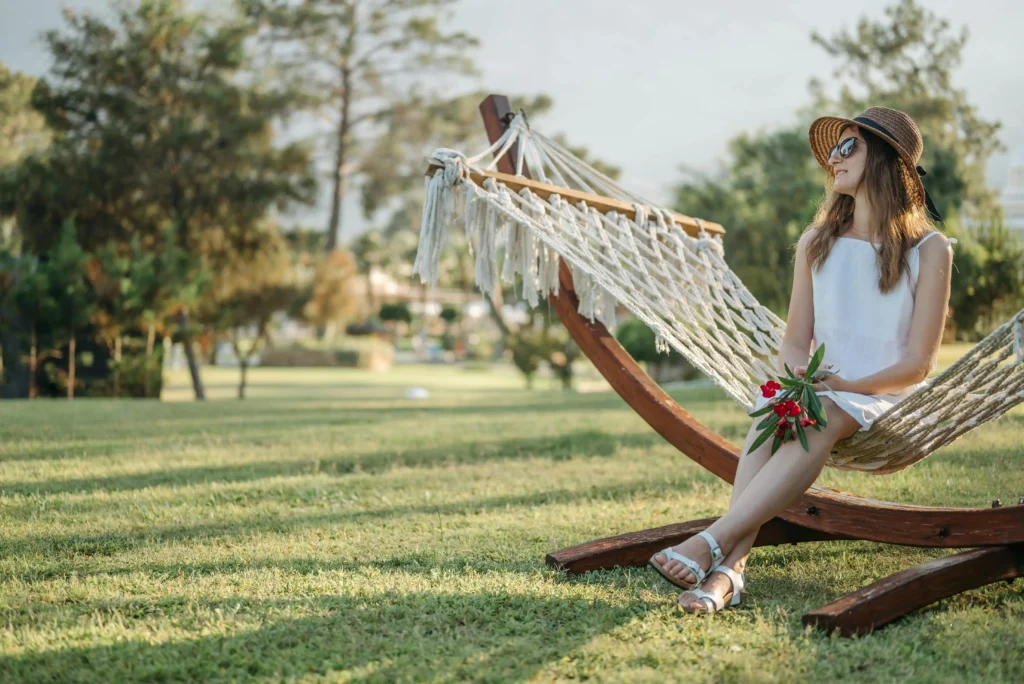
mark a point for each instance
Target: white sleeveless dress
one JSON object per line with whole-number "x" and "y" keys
{"x": 862, "y": 329}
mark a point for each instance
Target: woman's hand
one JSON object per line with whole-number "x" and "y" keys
{"x": 833, "y": 381}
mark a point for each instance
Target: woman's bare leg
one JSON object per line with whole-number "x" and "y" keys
{"x": 775, "y": 486}
{"x": 750, "y": 464}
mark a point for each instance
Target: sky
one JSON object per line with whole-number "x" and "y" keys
{"x": 655, "y": 85}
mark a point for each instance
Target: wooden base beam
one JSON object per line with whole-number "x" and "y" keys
{"x": 891, "y": 598}
{"x": 634, "y": 549}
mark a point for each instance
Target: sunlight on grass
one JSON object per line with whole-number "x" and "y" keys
{"x": 328, "y": 527}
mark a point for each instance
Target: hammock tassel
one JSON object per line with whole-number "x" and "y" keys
{"x": 585, "y": 291}
{"x": 547, "y": 279}
{"x": 486, "y": 262}
{"x": 438, "y": 210}
{"x": 608, "y": 305}
{"x": 476, "y": 214}
{"x": 513, "y": 252}
{"x": 661, "y": 345}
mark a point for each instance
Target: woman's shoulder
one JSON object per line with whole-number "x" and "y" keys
{"x": 934, "y": 252}
{"x": 806, "y": 237}
{"x": 934, "y": 243}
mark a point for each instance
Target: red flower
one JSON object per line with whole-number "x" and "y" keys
{"x": 780, "y": 409}
{"x": 769, "y": 389}
{"x": 780, "y": 432}
{"x": 792, "y": 408}
{"x": 808, "y": 421}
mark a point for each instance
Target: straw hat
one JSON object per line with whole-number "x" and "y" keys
{"x": 892, "y": 126}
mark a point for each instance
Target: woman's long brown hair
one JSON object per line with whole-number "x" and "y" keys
{"x": 900, "y": 225}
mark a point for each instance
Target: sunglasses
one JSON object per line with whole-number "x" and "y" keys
{"x": 845, "y": 147}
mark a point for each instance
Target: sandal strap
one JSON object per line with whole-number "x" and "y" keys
{"x": 738, "y": 582}
{"x": 715, "y": 600}
{"x": 716, "y": 551}
{"x": 691, "y": 565}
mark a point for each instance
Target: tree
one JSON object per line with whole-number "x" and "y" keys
{"x": 135, "y": 287}
{"x": 988, "y": 281}
{"x": 22, "y": 129}
{"x": 36, "y": 308}
{"x": 363, "y": 56}
{"x": 246, "y": 295}
{"x": 158, "y": 120}
{"x": 55, "y": 301}
{"x": 906, "y": 61}
{"x": 22, "y": 132}
{"x": 332, "y": 302}
{"x": 12, "y": 270}
{"x": 540, "y": 340}
{"x": 770, "y": 185}
{"x": 369, "y": 252}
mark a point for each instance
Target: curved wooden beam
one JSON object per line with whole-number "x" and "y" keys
{"x": 821, "y": 509}
{"x": 893, "y": 597}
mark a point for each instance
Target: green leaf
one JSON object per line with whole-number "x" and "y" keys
{"x": 761, "y": 411}
{"x": 761, "y": 438}
{"x": 819, "y": 354}
{"x": 791, "y": 373}
{"x": 768, "y": 420}
{"x": 819, "y": 411}
{"x": 776, "y": 443}
{"x": 802, "y": 436}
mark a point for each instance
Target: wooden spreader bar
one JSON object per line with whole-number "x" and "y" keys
{"x": 821, "y": 514}
{"x": 600, "y": 202}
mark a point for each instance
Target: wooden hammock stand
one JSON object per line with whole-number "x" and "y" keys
{"x": 821, "y": 514}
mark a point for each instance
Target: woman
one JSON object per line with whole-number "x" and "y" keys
{"x": 871, "y": 282}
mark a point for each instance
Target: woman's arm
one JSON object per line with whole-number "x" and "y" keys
{"x": 930, "y": 304}
{"x": 796, "y": 342}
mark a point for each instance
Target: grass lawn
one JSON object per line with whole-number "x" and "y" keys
{"x": 327, "y": 528}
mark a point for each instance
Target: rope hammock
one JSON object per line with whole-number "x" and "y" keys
{"x": 680, "y": 286}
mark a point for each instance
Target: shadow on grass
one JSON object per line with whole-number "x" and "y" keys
{"x": 255, "y": 431}
{"x": 163, "y": 421}
{"x": 583, "y": 444}
{"x": 389, "y": 636}
{"x": 63, "y": 550}
{"x": 33, "y": 613}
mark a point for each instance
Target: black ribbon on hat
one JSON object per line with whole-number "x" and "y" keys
{"x": 932, "y": 211}
{"x": 929, "y": 204}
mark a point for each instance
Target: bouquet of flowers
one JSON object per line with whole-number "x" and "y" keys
{"x": 795, "y": 406}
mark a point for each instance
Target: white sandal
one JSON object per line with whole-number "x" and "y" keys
{"x": 715, "y": 603}
{"x": 690, "y": 564}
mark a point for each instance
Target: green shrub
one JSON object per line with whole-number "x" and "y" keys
{"x": 395, "y": 312}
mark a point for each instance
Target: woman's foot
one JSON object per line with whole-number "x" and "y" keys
{"x": 695, "y": 548}
{"x": 717, "y": 583}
